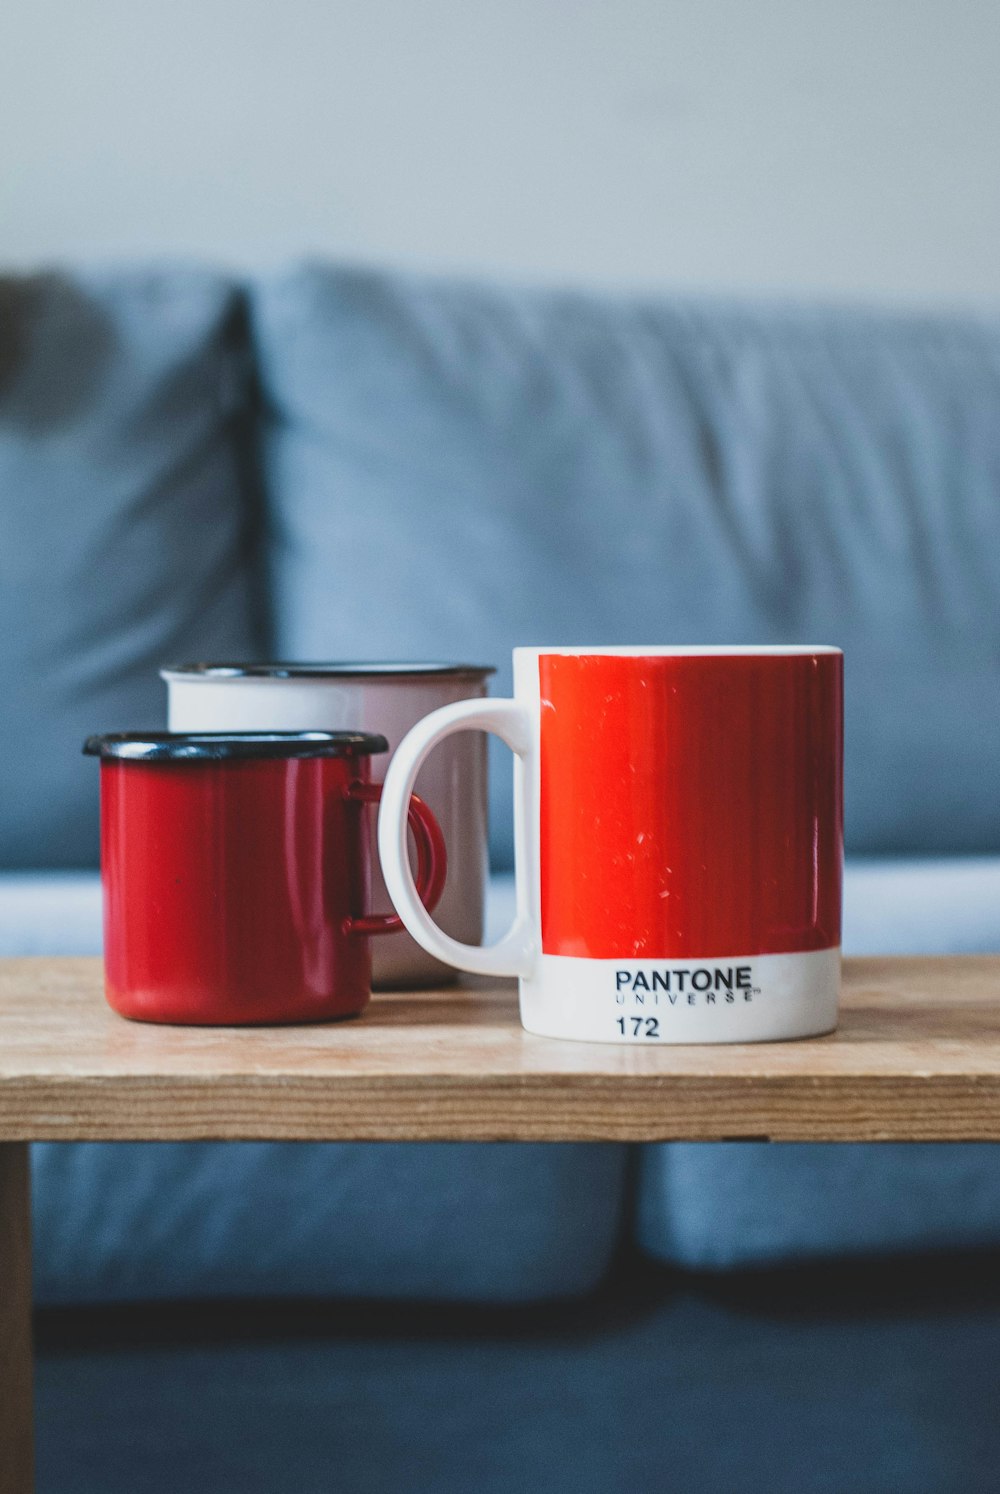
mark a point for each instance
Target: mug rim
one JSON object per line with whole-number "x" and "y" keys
{"x": 384, "y": 669}
{"x": 684, "y": 650}
{"x": 219, "y": 746}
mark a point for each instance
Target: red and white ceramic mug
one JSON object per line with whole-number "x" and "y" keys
{"x": 236, "y": 873}
{"x": 678, "y": 841}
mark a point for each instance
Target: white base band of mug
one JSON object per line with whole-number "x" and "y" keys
{"x": 731, "y": 999}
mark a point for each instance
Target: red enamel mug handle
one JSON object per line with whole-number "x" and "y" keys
{"x": 432, "y": 860}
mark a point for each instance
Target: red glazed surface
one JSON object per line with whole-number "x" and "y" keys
{"x": 230, "y": 889}
{"x": 691, "y": 807}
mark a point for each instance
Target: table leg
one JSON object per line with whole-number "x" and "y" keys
{"x": 16, "y": 1408}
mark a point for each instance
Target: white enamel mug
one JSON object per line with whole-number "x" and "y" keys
{"x": 387, "y": 698}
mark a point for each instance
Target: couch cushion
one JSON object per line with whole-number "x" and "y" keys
{"x": 125, "y": 519}
{"x": 454, "y": 470}
{"x": 489, "y": 1223}
{"x": 721, "y": 1205}
{"x": 50, "y": 913}
{"x": 922, "y": 906}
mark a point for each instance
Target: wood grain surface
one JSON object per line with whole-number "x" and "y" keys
{"x": 16, "y": 1439}
{"x": 917, "y": 1056}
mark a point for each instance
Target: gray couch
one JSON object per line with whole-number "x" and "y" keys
{"x": 335, "y": 463}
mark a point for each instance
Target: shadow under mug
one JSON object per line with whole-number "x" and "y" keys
{"x": 236, "y": 870}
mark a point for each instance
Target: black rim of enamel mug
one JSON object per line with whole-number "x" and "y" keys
{"x": 219, "y": 746}
{"x": 345, "y": 669}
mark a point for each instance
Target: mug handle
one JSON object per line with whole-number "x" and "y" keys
{"x": 514, "y": 954}
{"x": 432, "y": 859}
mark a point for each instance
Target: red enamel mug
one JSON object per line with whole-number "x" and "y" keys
{"x": 236, "y": 872}
{"x": 678, "y": 841}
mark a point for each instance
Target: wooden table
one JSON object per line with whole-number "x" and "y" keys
{"x": 917, "y": 1057}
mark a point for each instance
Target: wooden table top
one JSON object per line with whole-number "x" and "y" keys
{"x": 917, "y": 1056}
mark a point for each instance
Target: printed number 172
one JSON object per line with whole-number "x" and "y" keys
{"x": 641, "y": 1026}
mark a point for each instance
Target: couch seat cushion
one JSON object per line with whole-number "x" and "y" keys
{"x": 485, "y": 1223}
{"x": 736, "y": 1204}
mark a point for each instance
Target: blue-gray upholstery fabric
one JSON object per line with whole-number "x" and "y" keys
{"x": 724, "y": 1205}
{"x": 922, "y": 906}
{"x": 500, "y": 1223}
{"x": 124, "y": 524}
{"x": 842, "y": 1381}
{"x": 454, "y": 470}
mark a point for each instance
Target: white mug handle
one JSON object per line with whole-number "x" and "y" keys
{"x": 514, "y": 953}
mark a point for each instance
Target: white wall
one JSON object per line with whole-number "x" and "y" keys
{"x": 840, "y": 147}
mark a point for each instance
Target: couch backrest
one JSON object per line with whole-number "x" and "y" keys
{"x": 124, "y": 519}
{"x": 453, "y": 470}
